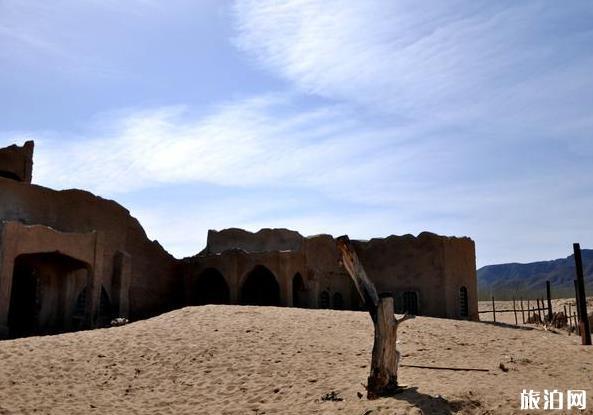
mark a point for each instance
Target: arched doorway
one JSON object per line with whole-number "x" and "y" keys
{"x": 211, "y": 288}
{"x": 463, "y": 302}
{"x": 410, "y": 302}
{"x": 260, "y": 288}
{"x": 299, "y": 292}
{"x": 42, "y": 292}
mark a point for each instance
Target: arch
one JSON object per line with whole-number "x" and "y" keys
{"x": 299, "y": 291}
{"x": 260, "y": 287}
{"x": 39, "y": 300}
{"x": 324, "y": 299}
{"x": 337, "y": 301}
{"x": 210, "y": 288}
{"x": 410, "y": 302}
{"x": 105, "y": 309}
{"x": 463, "y": 302}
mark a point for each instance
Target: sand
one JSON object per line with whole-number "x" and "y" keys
{"x": 266, "y": 360}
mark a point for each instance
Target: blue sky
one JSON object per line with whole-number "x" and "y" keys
{"x": 362, "y": 117}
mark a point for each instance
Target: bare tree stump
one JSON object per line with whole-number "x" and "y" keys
{"x": 382, "y": 380}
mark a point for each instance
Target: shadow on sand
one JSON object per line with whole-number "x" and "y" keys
{"x": 429, "y": 404}
{"x": 507, "y": 325}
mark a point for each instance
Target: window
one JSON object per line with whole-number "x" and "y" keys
{"x": 463, "y": 302}
{"x": 324, "y": 299}
{"x": 410, "y": 302}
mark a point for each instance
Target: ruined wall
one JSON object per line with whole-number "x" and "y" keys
{"x": 16, "y": 162}
{"x": 265, "y": 240}
{"x": 154, "y": 284}
{"x": 434, "y": 267}
{"x": 327, "y": 276}
{"x": 235, "y": 265}
{"x": 460, "y": 271}
{"x": 427, "y": 270}
{"x": 399, "y": 264}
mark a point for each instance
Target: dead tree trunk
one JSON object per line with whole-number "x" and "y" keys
{"x": 385, "y": 358}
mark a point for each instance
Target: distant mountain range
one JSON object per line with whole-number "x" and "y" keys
{"x": 505, "y": 281}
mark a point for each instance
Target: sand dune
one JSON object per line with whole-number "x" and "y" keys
{"x": 255, "y": 360}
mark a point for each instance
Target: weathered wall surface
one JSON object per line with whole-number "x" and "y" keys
{"x": 399, "y": 264}
{"x": 429, "y": 267}
{"x": 460, "y": 271}
{"x": 265, "y": 240}
{"x": 17, "y": 162}
{"x": 154, "y": 284}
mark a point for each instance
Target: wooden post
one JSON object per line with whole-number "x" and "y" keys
{"x": 576, "y": 324}
{"x": 493, "y": 310}
{"x": 576, "y": 297}
{"x": 566, "y": 315}
{"x": 582, "y": 298}
{"x": 549, "y": 297}
{"x": 515, "y": 311}
{"x": 385, "y": 358}
{"x": 522, "y": 311}
{"x": 539, "y": 311}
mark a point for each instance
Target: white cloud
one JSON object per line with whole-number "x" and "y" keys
{"x": 259, "y": 141}
{"x": 454, "y": 61}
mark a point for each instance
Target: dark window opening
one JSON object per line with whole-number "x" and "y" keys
{"x": 463, "y": 302}
{"x": 338, "y": 301}
{"x": 410, "y": 302}
{"x": 324, "y": 299}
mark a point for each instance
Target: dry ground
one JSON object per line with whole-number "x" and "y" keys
{"x": 255, "y": 360}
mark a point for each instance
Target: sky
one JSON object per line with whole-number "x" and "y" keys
{"x": 368, "y": 118}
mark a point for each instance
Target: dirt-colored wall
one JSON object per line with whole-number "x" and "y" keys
{"x": 397, "y": 264}
{"x": 17, "y": 162}
{"x": 432, "y": 266}
{"x": 155, "y": 282}
{"x": 460, "y": 271}
{"x": 265, "y": 240}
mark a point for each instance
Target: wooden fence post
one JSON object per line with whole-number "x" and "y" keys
{"x": 515, "y": 311}
{"x": 549, "y": 297}
{"x": 493, "y": 310}
{"x": 576, "y": 297}
{"x": 522, "y": 311}
{"x": 582, "y": 298}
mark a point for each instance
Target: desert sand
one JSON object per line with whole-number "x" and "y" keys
{"x": 267, "y": 360}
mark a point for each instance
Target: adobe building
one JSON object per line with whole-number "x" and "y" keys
{"x": 71, "y": 260}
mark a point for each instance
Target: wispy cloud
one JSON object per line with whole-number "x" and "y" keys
{"x": 446, "y": 61}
